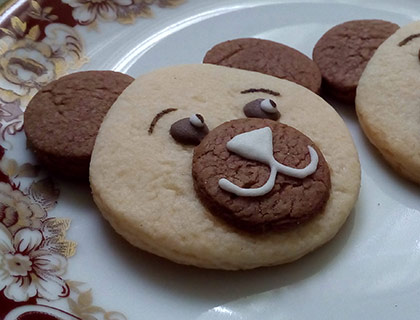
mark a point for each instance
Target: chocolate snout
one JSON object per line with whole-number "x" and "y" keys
{"x": 236, "y": 175}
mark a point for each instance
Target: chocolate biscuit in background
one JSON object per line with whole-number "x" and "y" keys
{"x": 343, "y": 52}
{"x": 63, "y": 118}
{"x": 268, "y": 57}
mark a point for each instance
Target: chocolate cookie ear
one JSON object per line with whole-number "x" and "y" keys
{"x": 262, "y": 108}
{"x": 189, "y": 131}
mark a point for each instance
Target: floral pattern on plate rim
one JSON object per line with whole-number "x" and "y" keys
{"x": 38, "y": 44}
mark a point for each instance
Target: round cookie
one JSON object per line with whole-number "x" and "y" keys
{"x": 343, "y": 52}
{"x": 142, "y": 182}
{"x": 290, "y": 202}
{"x": 63, "y": 118}
{"x": 388, "y": 101}
{"x": 268, "y": 57}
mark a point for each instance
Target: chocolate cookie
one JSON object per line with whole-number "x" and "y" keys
{"x": 290, "y": 202}
{"x": 267, "y": 57}
{"x": 343, "y": 52}
{"x": 63, "y": 118}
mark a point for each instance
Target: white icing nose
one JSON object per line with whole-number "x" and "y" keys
{"x": 253, "y": 145}
{"x": 258, "y": 145}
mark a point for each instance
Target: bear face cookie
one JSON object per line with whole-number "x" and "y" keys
{"x": 151, "y": 185}
{"x": 388, "y": 101}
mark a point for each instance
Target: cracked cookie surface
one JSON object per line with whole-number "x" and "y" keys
{"x": 292, "y": 201}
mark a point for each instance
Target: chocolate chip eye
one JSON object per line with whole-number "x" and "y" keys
{"x": 262, "y": 108}
{"x": 189, "y": 131}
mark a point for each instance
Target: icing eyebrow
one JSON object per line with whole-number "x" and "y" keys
{"x": 157, "y": 118}
{"x": 251, "y": 90}
{"x": 408, "y": 39}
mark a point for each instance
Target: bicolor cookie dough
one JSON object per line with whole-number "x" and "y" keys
{"x": 343, "y": 52}
{"x": 388, "y": 101}
{"x": 63, "y": 118}
{"x": 268, "y": 57}
{"x": 143, "y": 180}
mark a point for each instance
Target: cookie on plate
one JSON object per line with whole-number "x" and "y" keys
{"x": 268, "y": 57}
{"x": 63, "y": 118}
{"x": 149, "y": 181}
{"x": 388, "y": 101}
{"x": 343, "y": 52}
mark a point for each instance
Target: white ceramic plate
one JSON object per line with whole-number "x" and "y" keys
{"x": 371, "y": 270}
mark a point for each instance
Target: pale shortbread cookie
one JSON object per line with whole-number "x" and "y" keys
{"x": 142, "y": 182}
{"x": 388, "y": 101}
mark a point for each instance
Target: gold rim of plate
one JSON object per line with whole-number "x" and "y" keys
{"x": 6, "y": 5}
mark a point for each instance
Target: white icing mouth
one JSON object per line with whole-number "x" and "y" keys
{"x": 258, "y": 145}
